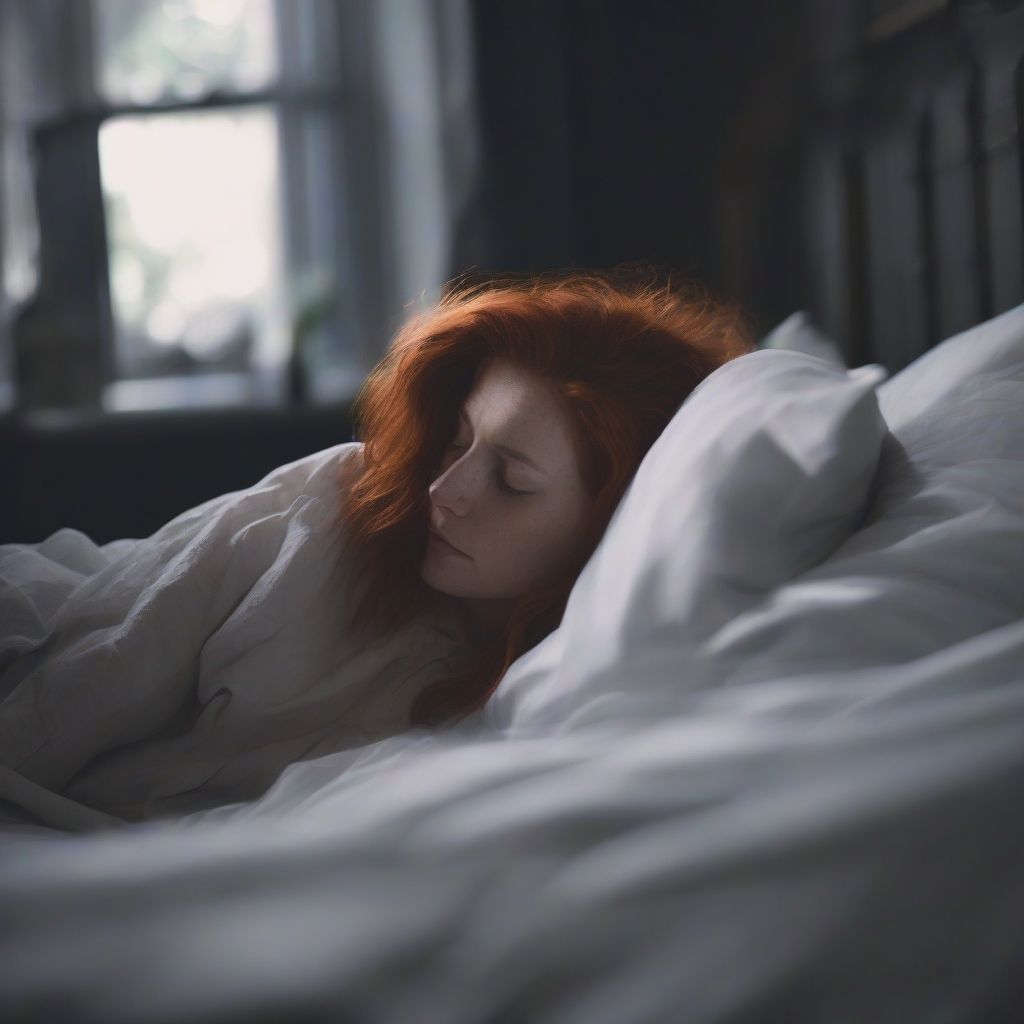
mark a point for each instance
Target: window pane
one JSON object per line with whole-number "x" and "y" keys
{"x": 163, "y": 49}
{"x": 194, "y": 239}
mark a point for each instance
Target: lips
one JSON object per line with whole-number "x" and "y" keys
{"x": 443, "y": 540}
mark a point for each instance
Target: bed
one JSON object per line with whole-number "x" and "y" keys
{"x": 769, "y": 767}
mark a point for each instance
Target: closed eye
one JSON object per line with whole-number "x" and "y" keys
{"x": 503, "y": 484}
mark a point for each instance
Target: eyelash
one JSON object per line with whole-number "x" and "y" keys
{"x": 512, "y": 492}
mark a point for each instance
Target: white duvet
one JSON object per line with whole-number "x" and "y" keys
{"x": 187, "y": 669}
{"x": 770, "y": 766}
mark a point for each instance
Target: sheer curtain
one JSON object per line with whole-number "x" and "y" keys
{"x": 429, "y": 131}
{"x": 413, "y": 217}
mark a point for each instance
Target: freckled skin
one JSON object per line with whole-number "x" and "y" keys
{"x": 513, "y": 542}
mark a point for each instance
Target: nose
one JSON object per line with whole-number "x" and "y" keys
{"x": 456, "y": 487}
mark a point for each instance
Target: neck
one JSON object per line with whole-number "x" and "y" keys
{"x": 486, "y": 616}
{"x": 480, "y": 618}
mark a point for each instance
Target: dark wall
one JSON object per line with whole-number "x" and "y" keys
{"x": 860, "y": 159}
{"x": 658, "y": 130}
{"x": 126, "y": 476}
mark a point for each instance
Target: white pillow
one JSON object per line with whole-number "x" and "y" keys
{"x": 798, "y": 333}
{"x": 940, "y": 558}
{"x": 764, "y": 469}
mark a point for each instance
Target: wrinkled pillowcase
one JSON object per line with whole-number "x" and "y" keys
{"x": 940, "y": 557}
{"x": 765, "y": 468}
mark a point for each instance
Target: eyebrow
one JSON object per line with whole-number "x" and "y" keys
{"x": 510, "y": 452}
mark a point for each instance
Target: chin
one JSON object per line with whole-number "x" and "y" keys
{"x": 443, "y": 587}
{"x": 435, "y": 584}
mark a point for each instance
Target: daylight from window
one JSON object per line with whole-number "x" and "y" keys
{"x": 193, "y": 237}
{"x": 192, "y": 198}
{"x": 157, "y": 49}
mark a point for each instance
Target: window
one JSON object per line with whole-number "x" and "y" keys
{"x": 207, "y": 145}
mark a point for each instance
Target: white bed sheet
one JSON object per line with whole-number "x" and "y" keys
{"x": 842, "y": 848}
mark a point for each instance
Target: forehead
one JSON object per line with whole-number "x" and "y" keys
{"x": 510, "y": 406}
{"x": 504, "y": 391}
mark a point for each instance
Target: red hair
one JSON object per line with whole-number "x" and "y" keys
{"x": 623, "y": 350}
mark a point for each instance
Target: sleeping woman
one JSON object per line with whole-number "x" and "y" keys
{"x": 187, "y": 670}
{"x": 500, "y": 431}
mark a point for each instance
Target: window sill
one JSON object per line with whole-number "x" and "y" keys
{"x": 197, "y": 400}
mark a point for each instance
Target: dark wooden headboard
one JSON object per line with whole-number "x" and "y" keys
{"x": 913, "y": 219}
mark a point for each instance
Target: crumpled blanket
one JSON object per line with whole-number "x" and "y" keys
{"x": 187, "y": 669}
{"x": 841, "y": 846}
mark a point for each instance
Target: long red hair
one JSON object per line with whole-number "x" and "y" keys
{"x": 624, "y": 348}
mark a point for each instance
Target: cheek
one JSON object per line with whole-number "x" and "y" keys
{"x": 534, "y": 545}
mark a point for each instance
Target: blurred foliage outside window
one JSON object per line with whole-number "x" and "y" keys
{"x": 196, "y": 203}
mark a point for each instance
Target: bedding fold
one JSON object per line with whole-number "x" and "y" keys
{"x": 186, "y": 669}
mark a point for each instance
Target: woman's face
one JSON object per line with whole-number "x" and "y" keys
{"x": 511, "y": 542}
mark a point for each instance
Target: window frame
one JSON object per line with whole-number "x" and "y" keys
{"x": 72, "y": 307}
